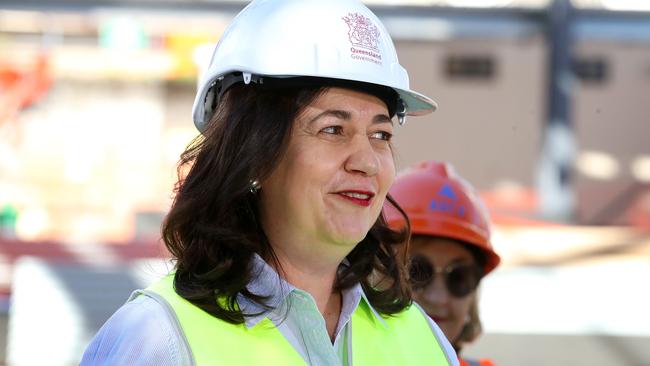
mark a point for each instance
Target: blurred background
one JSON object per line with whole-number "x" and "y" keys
{"x": 544, "y": 107}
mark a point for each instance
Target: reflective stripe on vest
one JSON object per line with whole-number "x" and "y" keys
{"x": 408, "y": 339}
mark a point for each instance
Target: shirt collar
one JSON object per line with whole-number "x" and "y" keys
{"x": 265, "y": 281}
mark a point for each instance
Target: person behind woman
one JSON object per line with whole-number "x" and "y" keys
{"x": 282, "y": 257}
{"x": 450, "y": 250}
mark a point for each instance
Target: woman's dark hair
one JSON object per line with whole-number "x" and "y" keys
{"x": 213, "y": 228}
{"x": 473, "y": 328}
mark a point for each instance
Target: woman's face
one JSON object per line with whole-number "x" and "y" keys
{"x": 448, "y": 311}
{"x": 329, "y": 187}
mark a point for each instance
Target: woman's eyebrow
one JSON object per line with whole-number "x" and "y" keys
{"x": 382, "y": 118}
{"x": 346, "y": 116}
{"x": 337, "y": 113}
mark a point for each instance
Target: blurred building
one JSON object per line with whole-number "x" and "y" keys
{"x": 95, "y": 108}
{"x": 91, "y": 154}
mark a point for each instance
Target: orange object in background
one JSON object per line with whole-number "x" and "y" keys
{"x": 441, "y": 203}
{"x": 21, "y": 88}
{"x": 182, "y": 45}
{"x": 639, "y": 212}
{"x": 483, "y": 362}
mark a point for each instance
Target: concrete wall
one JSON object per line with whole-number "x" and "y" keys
{"x": 492, "y": 129}
{"x": 502, "y": 117}
{"x": 488, "y": 128}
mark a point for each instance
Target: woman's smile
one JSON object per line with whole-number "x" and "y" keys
{"x": 357, "y": 197}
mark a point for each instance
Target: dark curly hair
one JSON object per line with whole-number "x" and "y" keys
{"x": 213, "y": 228}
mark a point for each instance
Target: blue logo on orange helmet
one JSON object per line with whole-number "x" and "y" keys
{"x": 447, "y": 202}
{"x": 447, "y": 191}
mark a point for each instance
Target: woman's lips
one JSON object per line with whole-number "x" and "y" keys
{"x": 438, "y": 319}
{"x": 361, "y": 198}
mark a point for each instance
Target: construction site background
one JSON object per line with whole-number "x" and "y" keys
{"x": 95, "y": 108}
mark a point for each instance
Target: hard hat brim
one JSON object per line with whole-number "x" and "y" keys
{"x": 417, "y": 104}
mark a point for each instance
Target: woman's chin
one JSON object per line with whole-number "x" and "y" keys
{"x": 350, "y": 235}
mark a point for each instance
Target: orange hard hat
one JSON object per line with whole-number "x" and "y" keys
{"x": 438, "y": 202}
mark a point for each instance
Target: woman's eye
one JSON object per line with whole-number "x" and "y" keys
{"x": 333, "y": 130}
{"x": 382, "y": 135}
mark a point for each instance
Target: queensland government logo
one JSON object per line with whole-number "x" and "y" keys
{"x": 364, "y": 37}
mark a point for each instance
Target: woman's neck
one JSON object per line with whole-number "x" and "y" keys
{"x": 317, "y": 277}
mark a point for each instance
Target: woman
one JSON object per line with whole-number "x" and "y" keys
{"x": 282, "y": 256}
{"x": 451, "y": 237}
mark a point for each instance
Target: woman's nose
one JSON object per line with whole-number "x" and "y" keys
{"x": 436, "y": 292}
{"x": 363, "y": 157}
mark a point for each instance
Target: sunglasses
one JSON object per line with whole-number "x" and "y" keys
{"x": 460, "y": 279}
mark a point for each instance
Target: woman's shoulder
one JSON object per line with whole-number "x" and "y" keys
{"x": 141, "y": 332}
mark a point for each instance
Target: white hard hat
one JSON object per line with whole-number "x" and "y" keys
{"x": 333, "y": 39}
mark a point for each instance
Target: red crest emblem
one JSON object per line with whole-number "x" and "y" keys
{"x": 363, "y": 33}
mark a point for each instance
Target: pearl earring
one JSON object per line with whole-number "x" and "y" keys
{"x": 254, "y": 186}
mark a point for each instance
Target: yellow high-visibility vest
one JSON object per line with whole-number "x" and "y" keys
{"x": 406, "y": 340}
